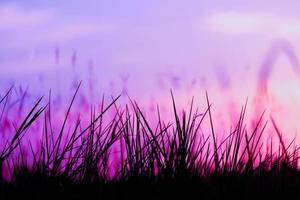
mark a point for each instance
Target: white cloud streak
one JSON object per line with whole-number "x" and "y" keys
{"x": 256, "y": 23}
{"x": 16, "y": 18}
{"x": 32, "y": 28}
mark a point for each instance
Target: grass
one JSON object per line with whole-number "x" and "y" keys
{"x": 127, "y": 157}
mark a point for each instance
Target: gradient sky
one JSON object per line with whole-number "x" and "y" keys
{"x": 144, "y": 36}
{"x": 213, "y": 44}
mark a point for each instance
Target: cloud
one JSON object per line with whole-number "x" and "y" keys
{"x": 256, "y": 23}
{"x": 17, "y": 18}
{"x": 59, "y": 34}
{"x": 77, "y": 29}
{"x": 23, "y": 28}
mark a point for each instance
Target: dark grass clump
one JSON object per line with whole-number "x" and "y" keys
{"x": 127, "y": 158}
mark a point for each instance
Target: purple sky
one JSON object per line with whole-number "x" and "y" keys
{"x": 144, "y": 36}
{"x": 159, "y": 43}
{"x": 190, "y": 46}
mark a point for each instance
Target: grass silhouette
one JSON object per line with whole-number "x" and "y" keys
{"x": 126, "y": 157}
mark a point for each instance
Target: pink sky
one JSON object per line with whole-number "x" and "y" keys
{"x": 189, "y": 46}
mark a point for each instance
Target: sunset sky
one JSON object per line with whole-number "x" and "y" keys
{"x": 189, "y": 45}
{"x": 143, "y": 36}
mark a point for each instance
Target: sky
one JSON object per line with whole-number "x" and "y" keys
{"x": 142, "y": 35}
{"x": 152, "y": 46}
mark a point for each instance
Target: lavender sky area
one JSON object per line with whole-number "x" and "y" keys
{"x": 151, "y": 46}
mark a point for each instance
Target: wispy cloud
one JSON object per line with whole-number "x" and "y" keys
{"x": 60, "y": 34}
{"x": 25, "y": 28}
{"x": 15, "y": 18}
{"x": 79, "y": 29}
{"x": 241, "y": 23}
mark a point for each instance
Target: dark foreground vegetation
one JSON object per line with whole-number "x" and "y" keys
{"x": 169, "y": 160}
